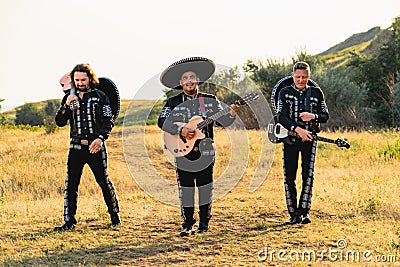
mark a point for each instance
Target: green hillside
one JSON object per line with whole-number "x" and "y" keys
{"x": 366, "y": 43}
{"x": 354, "y": 41}
{"x": 136, "y": 109}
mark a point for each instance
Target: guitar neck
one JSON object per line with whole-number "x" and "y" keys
{"x": 245, "y": 100}
{"x": 323, "y": 139}
{"x": 213, "y": 118}
{"x": 319, "y": 138}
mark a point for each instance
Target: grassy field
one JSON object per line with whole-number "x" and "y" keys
{"x": 355, "y": 202}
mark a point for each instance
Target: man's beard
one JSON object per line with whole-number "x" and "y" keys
{"x": 83, "y": 89}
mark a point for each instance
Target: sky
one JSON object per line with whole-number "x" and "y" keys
{"x": 131, "y": 42}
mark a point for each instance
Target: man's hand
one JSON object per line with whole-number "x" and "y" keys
{"x": 72, "y": 98}
{"x": 307, "y": 116}
{"x": 95, "y": 146}
{"x": 304, "y": 134}
{"x": 188, "y": 133}
{"x": 234, "y": 109}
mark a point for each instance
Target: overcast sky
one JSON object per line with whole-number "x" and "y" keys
{"x": 132, "y": 41}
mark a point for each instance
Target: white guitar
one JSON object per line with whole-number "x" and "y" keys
{"x": 277, "y": 134}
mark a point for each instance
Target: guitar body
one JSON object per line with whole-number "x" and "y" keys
{"x": 177, "y": 145}
{"x": 277, "y": 134}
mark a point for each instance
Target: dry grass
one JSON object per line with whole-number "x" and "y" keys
{"x": 355, "y": 198}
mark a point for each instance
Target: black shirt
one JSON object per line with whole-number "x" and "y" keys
{"x": 93, "y": 118}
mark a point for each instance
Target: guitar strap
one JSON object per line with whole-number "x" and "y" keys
{"x": 202, "y": 105}
{"x": 307, "y": 101}
{"x": 311, "y": 125}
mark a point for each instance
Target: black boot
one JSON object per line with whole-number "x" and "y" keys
{"x": 205, "y": 216}
{"x": 189, "y": 221}
{"x": 305, "y": 219}
{"x": 203, "y": 224}
{"x": 115, "y": 220}
{"x": 188, "y": 228}
{"x": 294, "y": 219}
{"x": 68, "y": 225}
{"x": 203, "y": 227}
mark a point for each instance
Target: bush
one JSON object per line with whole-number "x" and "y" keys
{"x": 345, "y": 100}
{"x": 391, "y": 151}
{"x": 50, "y": 126}
{"x": 28, "y": 114}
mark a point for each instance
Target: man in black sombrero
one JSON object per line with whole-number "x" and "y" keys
{"x": 195, "y": 167}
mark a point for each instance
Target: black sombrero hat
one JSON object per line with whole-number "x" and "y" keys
{"x": 110, "y": 89}
{"x": 286, "y": 81}
{"x": 203, "y": 67}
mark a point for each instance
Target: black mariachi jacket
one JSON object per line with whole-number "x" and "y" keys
{"x": 93, "y": 118}
{"x": 292, "y": 102}
{"x": 181, "y": 108}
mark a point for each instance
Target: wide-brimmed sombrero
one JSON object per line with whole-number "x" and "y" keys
{"x": 286, "y": 81}
{"x": 110, "y": 89}
{"x": 202, "y": 66}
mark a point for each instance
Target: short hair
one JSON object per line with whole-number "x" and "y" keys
{"x": 93, "y": 80}
{"x": 301, "y": 65}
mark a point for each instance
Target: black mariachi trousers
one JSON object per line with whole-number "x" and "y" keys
{"x": 195, "y": 170}
{"x": 290, "y": 164}
{"x": 78, "y": 156}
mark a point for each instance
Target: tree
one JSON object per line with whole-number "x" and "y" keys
{"x": 266, "y": 74}
{"x": 389, "y": 56}
{"x": 345, "y": 100}
{"x": 29, "y": 114}
{"x": 393, "y": 103}
{"x": 49, "y": 112}
{"x": 375, "y": 71}
{"x": 3, "y": 118}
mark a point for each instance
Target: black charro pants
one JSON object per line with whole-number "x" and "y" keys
{"x": 195, "y": 170}
{"x": 291, "y": 153}
{"x": 78, "y": 156}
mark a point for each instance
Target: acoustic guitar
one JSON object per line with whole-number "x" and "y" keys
{"x": 179, "y": 146}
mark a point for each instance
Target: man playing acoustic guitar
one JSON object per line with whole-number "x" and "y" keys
{"x": 300, "y": 109}
{"x": 194, "y": 165}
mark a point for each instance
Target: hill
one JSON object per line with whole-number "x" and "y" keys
{"x": 137, "y": 109}
{"x": 366, "y": 43}
{"x": 354, "y": 41}
{"x": 10, "y": 114}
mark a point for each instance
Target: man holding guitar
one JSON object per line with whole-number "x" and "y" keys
{"x": 91, "y": 115}
{"x": 300, "y": 109}
{"x": 194, "y": 163}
